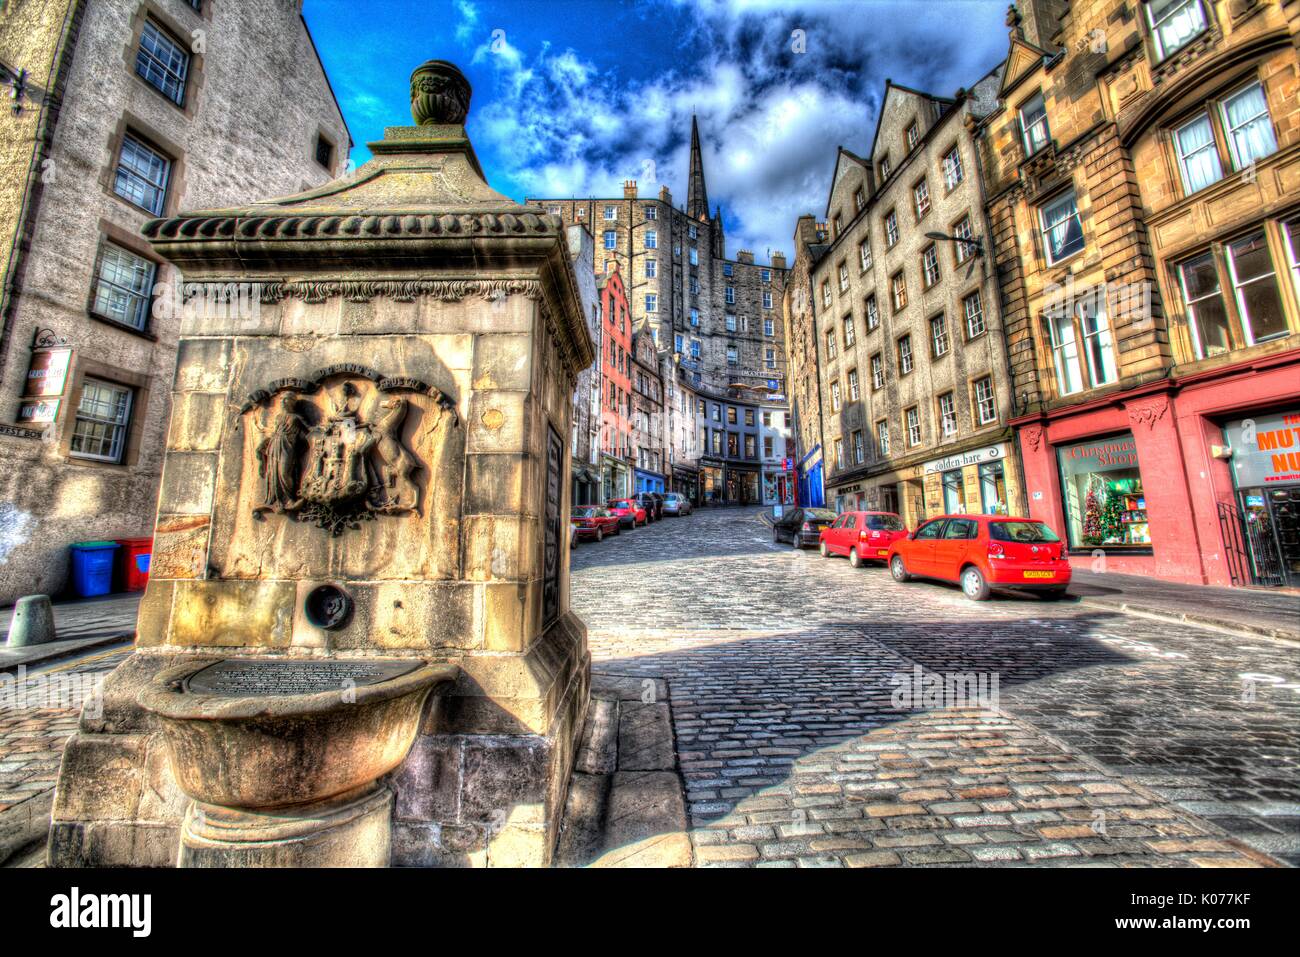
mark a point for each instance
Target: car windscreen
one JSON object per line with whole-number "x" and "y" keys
{"x": 885, "y": 523}
{"x": 586, "y": 512}
{"x": 1021, "y": 532}
{"x": 818, "y": 515}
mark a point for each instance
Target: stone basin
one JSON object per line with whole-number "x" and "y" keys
{"x": 249, "y": 733}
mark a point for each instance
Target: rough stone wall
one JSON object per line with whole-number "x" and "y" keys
{"x": 585, "y": 435}
{"x": 256, "y": 100}
{"x": 967, "y": 359}
{"x": 798, "y": 309}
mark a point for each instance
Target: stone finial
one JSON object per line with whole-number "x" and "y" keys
{"x": 439, "y": 94}
{"x": 1014, "y": 19}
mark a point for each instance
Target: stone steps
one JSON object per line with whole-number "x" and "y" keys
{"x": 626, "y": 806}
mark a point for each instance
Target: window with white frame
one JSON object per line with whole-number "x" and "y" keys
{"x": 913, "y": 135}
{"x": 767, "y": 299}
{"x": 651, "y": 212}
{"x": 844, "y": 276}
{"x": 939, "y": 335}
{"x": 651, "y": 267}
{"x": 1255, "y": 288}
{"x": 679, "y": 343}
{"x": 162, "y": 63}
{"x": 986, "y": 403}
{"x": 695, "y": 348}
{"x": 1207, "y": 313}
{"x": 101, "y": 422}
{"x": 952, "y": 169}
{"x": 877, "y": 371}
{"x": 859, "y": 451}
{"x": 835, "y": 396}
{"x": 832, "y": 347}
{"x": 692, "y": 232}
{"x": 850, "y": 333}
{"x": 905, "y": 364}
{"x": 731, "y": 295}
{"x": 921, "y": 199}
{"x": 859, "y": 200}
{"x": 651, "y": 302}
{"x": 1060, "y": 226}
{"x": 826, "y": 292}
{"x": 732, "y": 358}
{"x": 693, "y": 256}
{"x": 864, "y": 255}
{"x": 123, "y": 286}
{"x": 913, "y": 419}
{"x": 1033, "y": 124}
{"x": 694, "y": 286}
{"x": 611, "y": 239}
{"x": 872, "y": 311}
{"x": 730, "y": 322}
{"x": 947, "y": 414}
{"x": 963, "y": 250}
{"x": 769, "y": 358}
{"x": 142, "y": 174}
{"x": 891, "y": 228}
{"x": 882, "y": 436}
{"x": 611, "y": 212}
{"x": 1065, "y": 353}
{"x": 855, "y": 391}
{"x": 769, "y": 327}
{"x": 973, "y": 306}
{"x": 930, "y": 265}
{"x": 695, "y": 318}
{"x": 765, "y": 275}
{"x": 1247, "y": 126}
{"x": 651, "y": 239}
{"x": 884, "y": 168}
{"x": 839, "y": 453}
{"x": 1173, "y": 23}
{"x": 1291, "y": 232}
{"x": 1198, "y": 156}
{"x": 898, "y": 285}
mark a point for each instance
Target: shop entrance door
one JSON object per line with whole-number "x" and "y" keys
{"x": 1284, "y": 510}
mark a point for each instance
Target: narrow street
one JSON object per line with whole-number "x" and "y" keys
{"x": 1113, "y": 739}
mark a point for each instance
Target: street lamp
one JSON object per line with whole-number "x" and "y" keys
{"x": 976, "y": 244}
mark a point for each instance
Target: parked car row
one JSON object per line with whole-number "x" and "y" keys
{"x": 596, "y": 521}
{"x": 981, "y": 553}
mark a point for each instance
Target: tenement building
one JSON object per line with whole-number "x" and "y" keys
{"x": 1143, "y": 185}
{"x": 647, "y": 414}
{"x": 810, "y": 243}
{"x": 615, "y": 360}
{"x": 584, "y": 443}
{"x": 119, "y": 112}
{"x": 719, "y": 317}
{"x": 915, "y": 396}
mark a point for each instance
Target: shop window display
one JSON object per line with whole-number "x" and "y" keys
{"x": 1105, "y": 503}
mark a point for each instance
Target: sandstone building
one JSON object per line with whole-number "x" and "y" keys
{"x": 123, "y": 111}
{"x": 1143, "y": 186}
{"x": 584, "y": 441}
{"x": 717, "y": 318}
{"x": 913, "y": 385}
{"x": 801, "y": 348}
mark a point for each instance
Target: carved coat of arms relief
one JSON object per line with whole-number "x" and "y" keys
{"x": 330, "y": 449}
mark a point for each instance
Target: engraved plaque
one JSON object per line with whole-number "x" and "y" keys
{"x": 248, "y": 677}
{"x": 551, "y": 541}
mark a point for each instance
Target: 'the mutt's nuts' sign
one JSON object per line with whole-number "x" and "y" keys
{"x": 1265, "y": 449}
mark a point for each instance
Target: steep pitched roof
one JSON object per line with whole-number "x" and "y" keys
{"x": 697, "y": 194}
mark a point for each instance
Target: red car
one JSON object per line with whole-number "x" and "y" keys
{"x": 592, "y": 521}
{"x": 983, "y": 552}
{"x": 630, "y": 512}
{"x": 863, "y": 536}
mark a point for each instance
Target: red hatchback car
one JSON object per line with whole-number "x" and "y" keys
{"x": 862, "y": 536}
{"x": 592, "y": 521}
{"x": 984, "y": 552}
{"x": 630, "y": 512}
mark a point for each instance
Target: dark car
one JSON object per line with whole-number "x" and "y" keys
{"x": 802, "y": 527}
{"x": 653, "y": 503}
{"x": 592, "y": 521}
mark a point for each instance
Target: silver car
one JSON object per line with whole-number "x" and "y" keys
{"x": 675, "y": 503}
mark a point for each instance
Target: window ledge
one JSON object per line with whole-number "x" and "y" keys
{"x": 123, "y": 326}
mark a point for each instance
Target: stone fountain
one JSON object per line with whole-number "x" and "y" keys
{"x": 356, "y": 646}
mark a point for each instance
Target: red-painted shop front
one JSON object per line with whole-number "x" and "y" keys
{"x": 1192, "y": 480}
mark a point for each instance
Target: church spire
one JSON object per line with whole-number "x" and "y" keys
{"x": 697, "y": 194}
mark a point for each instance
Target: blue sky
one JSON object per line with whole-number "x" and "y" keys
{"x": 571, "y": 97}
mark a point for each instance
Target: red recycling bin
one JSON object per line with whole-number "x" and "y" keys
{"x": 136, "y": 554}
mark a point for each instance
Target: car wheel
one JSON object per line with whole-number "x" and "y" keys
{"x": 776, "y": 537}
{"x": 826, "y": 553}
{"x": 600, "y": 534}
{"x": 854, "y": 558}
{"x": 898, "y": 569}
{"x": 618, "y": 529}
{"x": 796, "y": 542}
{"x": 974, "y": 585}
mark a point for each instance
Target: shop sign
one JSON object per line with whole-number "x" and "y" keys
{"x": 1265, "y": 449}
{"x": 991, "y": 453}
{"x": 848, "y": 490}
{"x": 48, "y": 373}
{"x": 1100, "y": 455}
{"x": 38, "y": 411}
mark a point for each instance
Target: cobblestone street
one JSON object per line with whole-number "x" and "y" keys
{"x": 1114, "y": 740}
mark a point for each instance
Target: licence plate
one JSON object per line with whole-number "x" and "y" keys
{"x": 1040, "y": 574}
{"x": 882, "y": 552}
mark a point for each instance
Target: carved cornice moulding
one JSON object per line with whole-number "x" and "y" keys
{"x": 242, "y": 226}
{"x": 398, "y": 290}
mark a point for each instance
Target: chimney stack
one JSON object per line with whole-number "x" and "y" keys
{"x": 629, "y": 189}
{"x": 745, "y": 256}
{"x": 665, "y": 196}
{"x": 778, "y": 260}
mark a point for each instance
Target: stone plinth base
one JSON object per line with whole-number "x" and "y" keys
{"x": 353, "y": 831}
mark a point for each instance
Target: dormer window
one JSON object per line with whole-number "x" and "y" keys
{"x": 1173, "y": 23}
{"x": 884, "y": 169}
{"x": 913, "y": 135}
{"x": 1033, "y": 124}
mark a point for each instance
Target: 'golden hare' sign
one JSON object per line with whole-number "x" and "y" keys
{"x": 329, "y": 448}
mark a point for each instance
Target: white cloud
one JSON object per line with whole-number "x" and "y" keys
{"x": 468, "y": 20}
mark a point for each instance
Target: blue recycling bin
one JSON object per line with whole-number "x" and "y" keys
{"x": 92, "y": 568}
